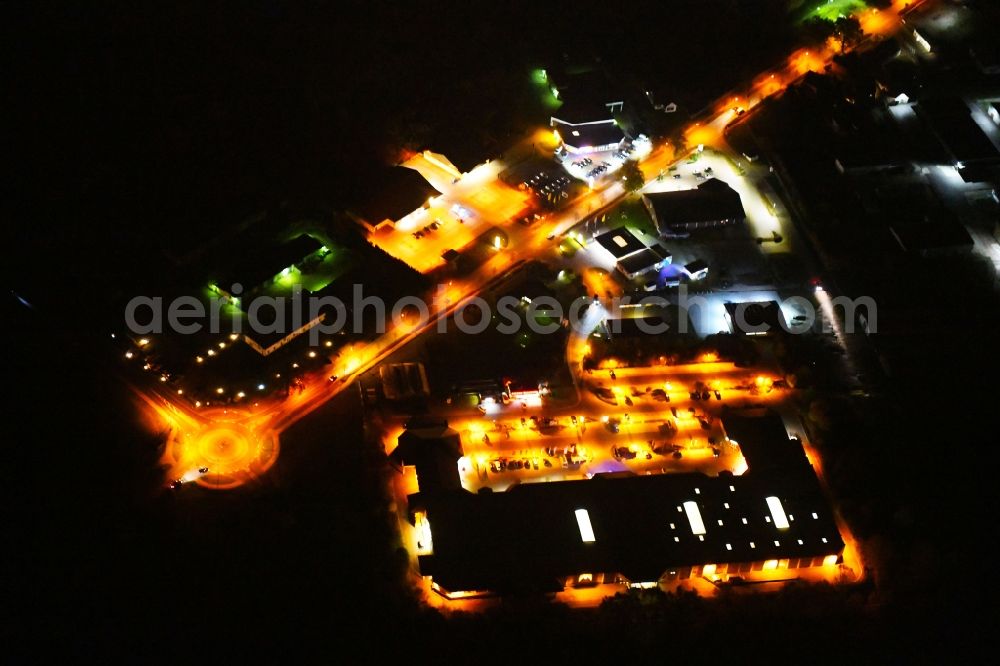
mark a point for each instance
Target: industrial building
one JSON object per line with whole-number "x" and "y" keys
{"x": 713, "y": 203}
{"x": 625, "y": 529}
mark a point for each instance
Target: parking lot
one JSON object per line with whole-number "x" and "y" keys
{"x": 651, "y": 420}
{"x": 594, "y": 167}
{"x": 468, "y": 208}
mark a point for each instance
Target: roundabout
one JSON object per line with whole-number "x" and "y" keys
{"x": 222, "y": 453}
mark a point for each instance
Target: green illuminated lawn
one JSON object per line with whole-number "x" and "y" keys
{"x": 549, "y": 101}
{"x": 831, "y": 10}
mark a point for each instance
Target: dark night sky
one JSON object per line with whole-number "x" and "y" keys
{"x": 138, "y": 126}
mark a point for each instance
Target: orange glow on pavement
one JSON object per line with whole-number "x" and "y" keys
{"x": 809, "y": 60}
{"x": 701, "y": 134}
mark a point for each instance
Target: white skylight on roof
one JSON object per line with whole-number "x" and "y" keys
{"x": 583, "y": 522}
{"x": 694, "y": 517}
{"x": 619, "y": 241}
{"x": 777, "y": 512}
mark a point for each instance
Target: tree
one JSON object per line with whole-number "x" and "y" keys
{"x": 632, "y": 175}
{"x": 817, "y": 30}
{"x": 848, "y": 31}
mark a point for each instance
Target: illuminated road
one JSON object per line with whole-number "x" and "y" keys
{"x": 237, "y": 444}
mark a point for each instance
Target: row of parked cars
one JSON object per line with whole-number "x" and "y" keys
{"x": 514, "y": 464}
{"x": 599, "y": 169}
{"x": 427, "y": 229}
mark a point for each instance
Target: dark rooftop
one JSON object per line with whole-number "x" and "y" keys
{"x": 696, "y": 265}
{"x": 434, "y": 449}
{"x": 759, "y": 318}
{"x": 712, "y": 201}
{"x": 640, "y": 261}
{"x": 641, "y": 526}
{"x": 590, "y": 135}
{"x": 952, "y": 122}
{"x": 574, "y": 111}
{"x": 764, "y": 442}
{"x": 918, "y": 220}
{"x": 620, "y": 242}
{"x": 637, "y": 322}
{"x": 395, "y": 192}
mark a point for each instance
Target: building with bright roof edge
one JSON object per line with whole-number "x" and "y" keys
{"x": 632, "y": 257}
{"x": 631, "y": 530}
